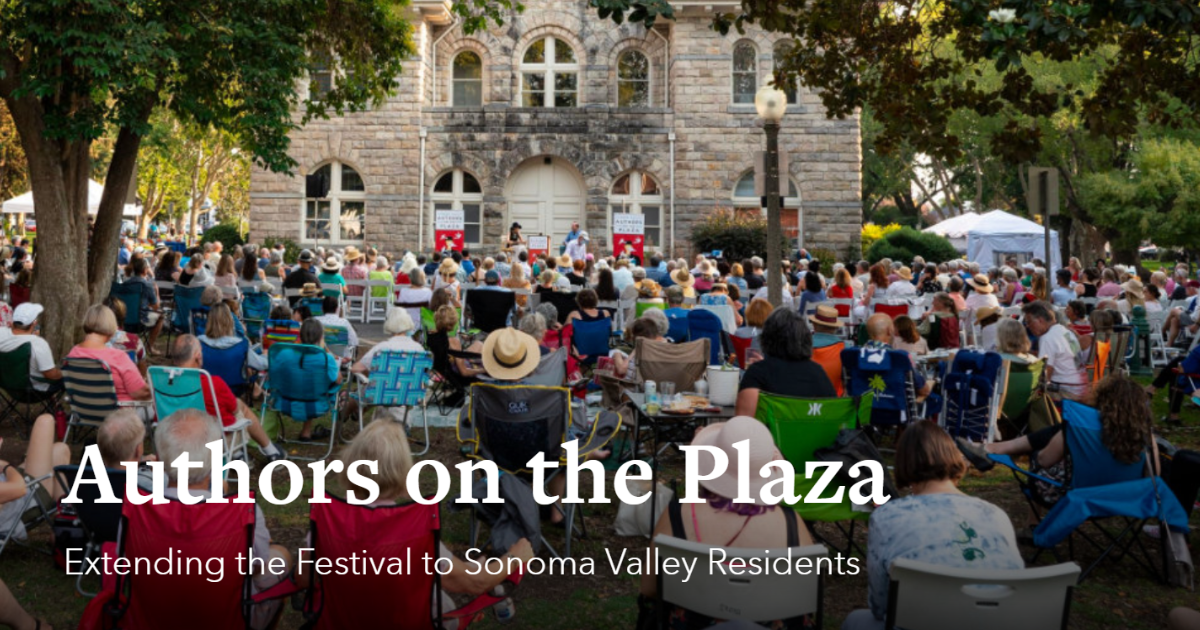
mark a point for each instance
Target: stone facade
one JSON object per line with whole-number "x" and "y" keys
{"x": 403, "y": 147}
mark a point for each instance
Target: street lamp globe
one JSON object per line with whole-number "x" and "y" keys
{"x": 771, "y": 103}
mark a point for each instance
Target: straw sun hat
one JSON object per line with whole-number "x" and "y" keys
{"x": 723, "y": 435}
{"x": 981, "y": 284}
{"x": 511, "y": 355}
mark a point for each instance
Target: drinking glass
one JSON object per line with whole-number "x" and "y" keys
{"x": 666, "y": 390}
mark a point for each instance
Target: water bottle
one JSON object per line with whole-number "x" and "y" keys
{"x": 652, "y": 402}
{"x": 505, "y": 609}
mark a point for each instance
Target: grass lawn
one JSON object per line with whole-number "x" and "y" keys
{"x": 1117, "y": 595}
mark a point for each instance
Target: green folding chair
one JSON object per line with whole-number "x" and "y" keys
{"x": 1023, "y": 380}
{"x": 800, "y": 427}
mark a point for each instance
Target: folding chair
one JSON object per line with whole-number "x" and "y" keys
{"x": 34, "y": 507}
{"x": 704, "y": 324}
{"x": 176, "y": 389}
{"x": 299, "y": 386}
{"x": 377, "y": 305}
{"x": 152, "y": 532}
{"x": 489, "y": 310}
{"x": 757, "y": 597}
{"x": 20, "y": 397}
{"x": 970, "y": 400}
{"x": 186, "y": 299}
{"x": 740, "y": 346}
{"x": 551, "y": 370}
{"x": 397, "y": 379}
{"x": 100, "y": 521}
{"x": 1021, "y": 380}
{"x": 800, "y": 427}
{"x": 130, "y": 295}
{"x": 511, "y": 424}
{"x": 644, "y": 305}
{"x": 591, "y": 338}
{"x": 677, "y": 325}
{"x": 924, "y": 596}
{"x": 356, "y": 305}
{"x": 199, "y": 320}
{"x": 279, "y": 330}
{"x": 405, "y": 600}
{"x": 91, "y": 394}
{"x": 229, "y": 364}
{"x": 888, "y": 374}
{"x": 315, "y": 305}
{"x": 724, "y": 313}
{"x": 891, "y": 310}
{"x": 256, "y": 308}
{"x": 337, "y": 340}
{"x": 679, "y": 363}
{"x": 564, "y": 302}
{"x": 1101, "y": 487}
{"x": 830, "y": 359}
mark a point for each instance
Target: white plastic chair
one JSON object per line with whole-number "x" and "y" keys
{"x": 925, "y": 596}
{"x": 743, "y": 597}
{"x": 356, "y": 305}
{"x": 377, "y": 307}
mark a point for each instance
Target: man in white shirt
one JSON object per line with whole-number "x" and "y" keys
{"x": 577, "y": 248}
{"x": 44, "y": 374}
{"x": 332, "y": 318}
{"x": 1059, "y": 347}
{"x": 1186, "y": 317}
{"x": 622, "y": 276}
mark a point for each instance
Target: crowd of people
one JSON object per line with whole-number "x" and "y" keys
{"x": 790, "y": 350}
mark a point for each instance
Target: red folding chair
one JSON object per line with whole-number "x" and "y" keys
{"x": 204, "y": 530}
{"x": 892, "y": 310}
{"x": 740, "y": 346}
{"x": 402, "y": 602}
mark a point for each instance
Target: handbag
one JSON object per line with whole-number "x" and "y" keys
{"x": 851, "y": 447}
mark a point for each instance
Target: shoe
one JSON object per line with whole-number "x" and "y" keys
{"x": 975, "y": 454}
{"x": 276, "y": 456}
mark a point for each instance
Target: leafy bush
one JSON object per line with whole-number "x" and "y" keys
{"x": 903, "y": 244}
{"x": 738, "y": 235}
{"x": 872, "y": 232}
{"x": 291, "y": 251}
{"x": 228, "y": 235}
{"x": 826, "y": 256}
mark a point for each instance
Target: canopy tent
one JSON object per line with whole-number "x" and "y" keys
{"x": 23, "y": 204}
{"x": 998, "y": 235}
{"x": 955, "y": 229}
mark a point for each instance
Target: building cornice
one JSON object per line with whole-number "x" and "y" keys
{"x": 433, "y": 11}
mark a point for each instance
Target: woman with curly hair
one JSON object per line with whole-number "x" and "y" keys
{"x": 1125, "y": 431}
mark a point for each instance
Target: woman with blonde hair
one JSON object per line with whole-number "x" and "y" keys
{"x": 737, "y": 277}
{"x": 220, "y": 332}
{"x": 99, "y": 327}
{"x": 447, "y": 278}
{"x": 516, "y": 280}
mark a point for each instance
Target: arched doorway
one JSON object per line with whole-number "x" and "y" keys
{"x": 545, "y": 195}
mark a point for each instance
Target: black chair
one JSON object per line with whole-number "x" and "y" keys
{"x": 449, "y": 388}
{"x": 489, "y": 310}
{"x": 100, "y": 521}
{"x": 564, "y": 302}
{"x": 19, "y": 395}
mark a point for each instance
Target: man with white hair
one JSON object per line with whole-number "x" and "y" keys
{"x": 121, "y": 438}
{"x": 577, "y": 248}
{"x": 399, "y": 326}
{"x": 189, "y": 431}
{"x": 502, "y": 266}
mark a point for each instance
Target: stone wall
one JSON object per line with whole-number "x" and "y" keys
{"x": 715, "y": 140}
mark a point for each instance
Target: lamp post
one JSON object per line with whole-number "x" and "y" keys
{"x": 771, "y": 104}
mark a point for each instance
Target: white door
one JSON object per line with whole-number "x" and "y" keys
{"x": 545, "y": 195}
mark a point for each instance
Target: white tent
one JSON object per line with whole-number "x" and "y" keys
{"x": 23, "y": 204}
{"x": 955, "y": 229}
{"x": 998, "y": 235}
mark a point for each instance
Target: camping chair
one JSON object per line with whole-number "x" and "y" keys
{"x": 1101, "y": 487}
{"x": 100, "y": 521}
{"x": 724, "y": 313}
{"x": 397, "y": 379}
{"x": 158, "y": 531}
{"x": 198, "y": 320}
{"x": 184, "y": 299}
{"x": 551, "y": 370}
{"x": 889, "y": 375}
{"x": 315, "y": 305}
{"x": 679, "y": 363}
{"x": 35, "y": 507}
{"x": 677, "y": 329}
{"x": 830, "y": 359}
{"x": 280, "y": 330}
{"x": 448, "y": 388}
{"x": 337, "y": 340}
{"x": 758, "y": 597}
{"x": 924, "y": 596}
{"x": 800, "y": 427}
{"x": 176, "y": 389}
{"x": 891, "y": 310}
{"x": 970, "y": 399}
{"x": 489, "y": 310}
{"x": 130, "y": 295}
{"x": 563, "y": 338}
{"x": 591, "y": 338}
{"x": 740, "y": 346}
{"x": 91, "y": 394}
{"x": 704, "y": 324}
{"x": 256, "y": 308}
{"x": 298, "y": 386}
{"x": 511, "y": 424}
{"x": 645, "y": 305}
{"x": 229, "y": 364}
{"x": 404, "y": 601}
{"x": 564, "y": 302}
{"x": 944, "y": 333}
{"x": 19, "y": 395}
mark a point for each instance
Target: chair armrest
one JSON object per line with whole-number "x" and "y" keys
{"x": 1007, "y": 462}
{"x": 361, "y": 378}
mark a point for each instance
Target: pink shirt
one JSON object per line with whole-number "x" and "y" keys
{"x": 355, "y": 271}
{"x": 126, "y": 377}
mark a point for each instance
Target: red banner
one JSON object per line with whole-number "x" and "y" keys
{"x": 448, "y": 230}
{"x": 629, "y": 235}
{"x": 538, "y": 244}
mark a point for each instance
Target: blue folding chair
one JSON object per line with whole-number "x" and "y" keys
{"x": 337, "y": 340}
{"x": 229, "y": 364}
{"x": 199, "y": 320}
{"x": 299, "y": 386}
{"x": 176, "y": 389}
{"x": 677, "y": 320}
{"x": 397, "y": 379}
{"x": 186, "y": 300}
{"x": 591, "y": 338}
{"x": 1100, "y": 487}
{"x": 970, "y": 396}
{"x": 256, "y": 308}
{"x": 130, "y": 295}
{"x": 706, "y": 325}
{"x": 888, "y": 376}
{"x": 280, "y": 331}
{"x": 316, "y": 305}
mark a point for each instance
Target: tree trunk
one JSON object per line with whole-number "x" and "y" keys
{"x": 102, "y": 258}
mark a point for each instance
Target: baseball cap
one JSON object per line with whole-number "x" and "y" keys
{"x": 491, "y": 276}
{"x": 27, "y": 313}
{"x": 306, "y": 256}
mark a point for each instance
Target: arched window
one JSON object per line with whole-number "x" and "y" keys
{"x": 334, "y": 205}
{"x": 467, "y": 78}
{"x": 745, "y": 72}
{"x": 459, "y": 190}
{"x": 782, "y": 50}
{"x": 633, "y": 79}
{"x": 745, "y": 201}
{"x": 549, "y": 74}
{"x": 638, "y": 193}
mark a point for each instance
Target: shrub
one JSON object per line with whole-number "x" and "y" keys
{"x": 872, "y": 232}
{"x": 738, "y": 235}
{"x": 826, "y": 256}
{"x": 903, "y": 244}
{"x": 228, "y": 235}
{"x": 291, "y": 251}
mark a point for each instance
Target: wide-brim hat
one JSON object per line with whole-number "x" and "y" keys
{"x": 826, "y": 316}
{"x": 309, "y": 290}
{"x": 985, "y": 312}
{"x": 510, "y": 355}
{"x": 981, "y": 284}
{"x": 1134, "y": 285}
{"x": 331, "y": 265}
{"x": 351, "y": 254}
{"x": 448, "y": 266}
{"x": 682, "y": 277}
{"x": 905, "y": 274}
{"x": 760, "y": 450}
{"x": 565, "y": 261}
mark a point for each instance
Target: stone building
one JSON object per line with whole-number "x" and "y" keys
{"x": 558, "y": 116}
